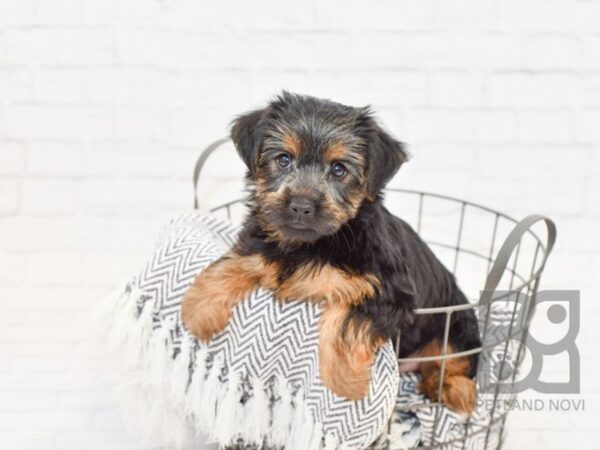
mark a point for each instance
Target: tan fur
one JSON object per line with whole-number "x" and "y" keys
{"x": 459, "y": 392}
{"x": 336, "y": 152}
{"x": 291, "y": 144}
{"x": 345, "y": 359}
{"x": 339, "y": 151}
{"x": 330, "y": 284}
{"x": 341, "y": 215}
{"x": 268, "y": 199}
{"x": 208, "y": 303}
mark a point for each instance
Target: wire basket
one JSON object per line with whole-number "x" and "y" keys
{"x": 498, "y": 262}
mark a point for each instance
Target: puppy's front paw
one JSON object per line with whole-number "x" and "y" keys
{"x": 204, "y": 311}
{"x": 208, "y": 303}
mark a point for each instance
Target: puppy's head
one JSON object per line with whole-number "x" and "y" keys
{"x": 312, "y": 163}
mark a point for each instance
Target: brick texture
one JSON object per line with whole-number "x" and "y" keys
{"x": 104, "y": 106}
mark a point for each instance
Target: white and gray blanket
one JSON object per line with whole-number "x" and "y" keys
{"x": 257, "y": 382}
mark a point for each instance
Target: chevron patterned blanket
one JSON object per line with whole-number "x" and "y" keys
{"x": 256, "y": 383}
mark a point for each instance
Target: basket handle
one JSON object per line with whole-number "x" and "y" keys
{"x": 509, "y": 246}
{"x": 201, "y": 161}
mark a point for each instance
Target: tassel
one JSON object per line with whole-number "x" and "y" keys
{"x": 282, "y": 414}
{"x": 316, "y": 440}
{"x": 298, "y": 438}
{"x": 146, "y": 358}
{"x": 296, "y": 425}
{"x": 138, "y": 339}
{"x": 212, "y": 391}
{"x": 124, "y": 318}
{"x": 181, "y": 372}
{"x": 308, "y": 429}
{"x": 145, "y": 328}
{"x": 129, "y": 333}
{"x": 159, "y": 358}
{"x": 229, "y": 413}
{"x": 256, "y": 421}
{"x": 193, "y": 397}
{"x": 103, "y": 310}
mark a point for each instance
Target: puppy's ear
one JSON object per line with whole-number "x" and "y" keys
{"x": 385, "y": 156}
{"x": 245, "y": 135}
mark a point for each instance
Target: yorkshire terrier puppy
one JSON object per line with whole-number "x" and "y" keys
{"x": 317, "y": 230}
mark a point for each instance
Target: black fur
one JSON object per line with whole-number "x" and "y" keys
{"x": 244, "y": 134}
{"x": 372, "y": 240}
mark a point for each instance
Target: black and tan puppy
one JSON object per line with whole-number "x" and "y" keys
{"x": 317, "y": 230}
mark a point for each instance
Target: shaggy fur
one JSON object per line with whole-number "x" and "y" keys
{"x": 317, "y": 230}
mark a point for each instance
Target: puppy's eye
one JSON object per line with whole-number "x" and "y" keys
{"x": 284, "y": 160}
{"x": 338, "y": 170}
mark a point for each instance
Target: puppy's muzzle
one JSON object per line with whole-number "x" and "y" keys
{"x": 301, "y": 209}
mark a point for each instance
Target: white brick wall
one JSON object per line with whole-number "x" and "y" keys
{"x": 104, "y": 105}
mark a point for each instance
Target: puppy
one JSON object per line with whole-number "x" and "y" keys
{"x": 317, "y": 230}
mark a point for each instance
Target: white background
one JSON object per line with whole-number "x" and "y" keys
{"x": 104, "y": 105}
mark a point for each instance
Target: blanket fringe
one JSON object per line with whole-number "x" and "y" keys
{"x": 181, "y": 371}
{"x": 282, "y": 413}
{"x": 182, "y": 399}
{"x": 303, "y": 426}
{"x": 159, "y": 366}
{"x": 124, "y": 316}
{"x": 212, "y": 392}
{"x": 229, "y": 417}
{"x": 256, "y": 425}
{"x": 194, "y": 396}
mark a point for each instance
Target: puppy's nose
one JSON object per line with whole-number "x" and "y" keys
{"x": 302, "y": 207}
